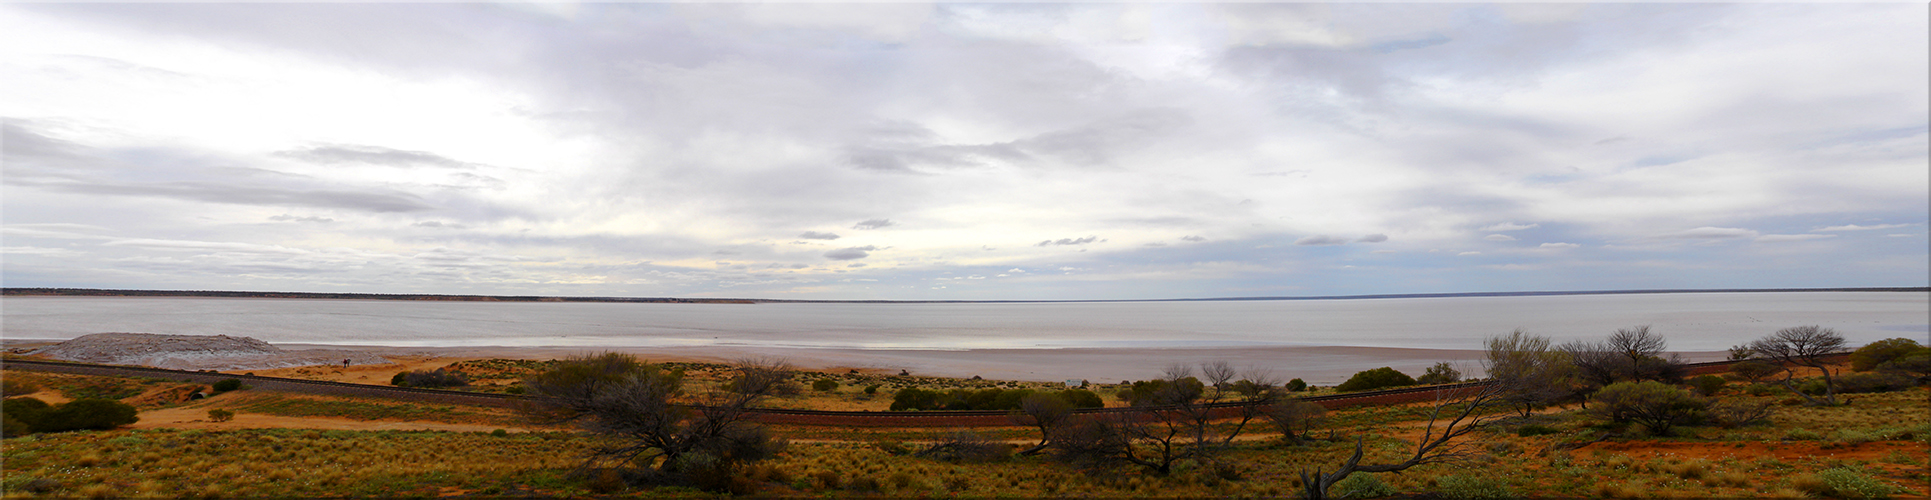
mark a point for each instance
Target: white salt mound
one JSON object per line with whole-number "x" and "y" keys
{"x": 197, "y": 352}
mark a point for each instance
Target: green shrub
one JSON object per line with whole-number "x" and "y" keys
{"x": 227, "y": 384}
{"x": 1361, "y": 485}
{"x": 1441, "y": 373}
{"x": 15, "y": 386}
{"x": 872, "y": 389}
{"x": 1845, "y": 482}
{"x": 515, "y": 389}
{"x": 1873, "y": 382}
{"x": 1707, "y": 385}
{"x": 824, "y": 385}
{"x": 1802, "y": 435}
{"x": 220, "y": 415}
{"x": 499, "y": 433}
{"x": 1082, "y": 398}
{"x": 84, "y": 414}
{"x": 1876, "y": 353}
{"x": 1375, "y": 379}
{"x": 1535, "y": 430}
{"x": 1760, "y": 389}
{"x": 1655, "y": 405}
{"x": 1473, "y": 488}
{"x": 1296, "y": 385}
{"x": 429, "y": 378}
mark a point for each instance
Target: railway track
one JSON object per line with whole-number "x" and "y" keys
{"x": 950, "y": 418}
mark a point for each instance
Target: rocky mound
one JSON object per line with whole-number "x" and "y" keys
{"x": 196, "y": 352}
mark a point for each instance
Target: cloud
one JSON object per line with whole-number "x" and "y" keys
{"x": 1373, "y": 238}
{"x": 1195, "y": 239}
{"x": 814, "y": 235}
{"x": 1468, "y": 253}
{"x": 1067, "y": 241}
{"x": 1499, "y": 237}
{"x": 1775, "y": 238}
{"x": 1321, "y": 240}
{"x": 1709, "y": 233}
{"x": 1510, "y": 226}
{"x": 874, "y": 224}
{"x": 1854, "y": 227}
{"x": 439, "y": 225}
{"x": 373, "y": 155}
{"x": 1559, "y": 245}
{"x": 291, "y": 218}
{"x": 851, "y": 253}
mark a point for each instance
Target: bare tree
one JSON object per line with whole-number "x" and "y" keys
{"x": 1803, "y": 346}
{"x": 1457, "y": 412}
{"x": 700, "y": 440}
{"x": 1295, "y": 418}
{"x": 1172, "y": 420}
{"x": 1045, "y": 411}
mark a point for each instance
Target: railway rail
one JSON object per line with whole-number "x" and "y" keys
{"x": 949, "y": 418}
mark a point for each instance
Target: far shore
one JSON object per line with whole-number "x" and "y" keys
{"x": 1318, "y": 365}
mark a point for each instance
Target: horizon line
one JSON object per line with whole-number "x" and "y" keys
{"x": 99, "y": 292}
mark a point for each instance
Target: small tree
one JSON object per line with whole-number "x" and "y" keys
{"x": 1296, "y": 385}
{"x": 1803, "y": 346}
{"x": 1754, "y": 370}
{"x": 1375, "y": 379}
{"x": 1707, "y": 385}
{"x": 227, "y": 384}
{"x": 1532, "y": 375}
{"x": 1442, "y": 373}
{"x": 702, "y": 444}
{"x": 1655, "y": 405}
{"x": 1171, "y": 422}
{"x": 220, "y": 415}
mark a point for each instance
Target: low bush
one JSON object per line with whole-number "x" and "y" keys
{"x": 1873, "y": 382}
{"x": 227, "y": 384}
{"x": 220, "y": 415}
{"x": 1442, "y": 373}
{"x": 1730, "y": 414}
{"x": 1378, "y": 378}
{"x": 1845, "y": 482}
{"x": 1361, "y": 485}
{"x": 429, "y": 378}
{"x": 1754, "y": 370}
{"x": 1655, "y": 405}
{"x": 17, "y": 386}
{"x": 824, "y": 385}
{"x": 33, "y": 415}
{"x": 1707, "y": 385}
{"x": 1296, "y": 385}
{"x": 1473, "y": 488}
{"x": 1876, "y": 353}
{"x": 1535, "y": 430}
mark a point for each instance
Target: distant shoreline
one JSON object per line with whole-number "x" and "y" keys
{"x": 89, "y": 292}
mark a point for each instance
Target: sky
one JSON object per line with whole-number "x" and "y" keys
{"x": 1004, "y": 151}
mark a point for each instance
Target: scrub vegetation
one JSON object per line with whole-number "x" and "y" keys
{"x": 1634, "y": 436}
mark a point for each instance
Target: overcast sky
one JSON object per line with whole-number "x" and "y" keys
{"x": 984, "y": 151}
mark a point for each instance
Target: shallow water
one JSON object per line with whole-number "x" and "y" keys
{"x": 1691, "y": 321}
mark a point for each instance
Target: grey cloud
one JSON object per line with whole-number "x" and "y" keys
{"x": 1100, "y": 142}
{"x": 1321, "y": 240}
{"x": 1373, "y": 238}
{"x": 1193, "y": 238}
{"x": 440, "y": 225}
{"x": 1709, "y": 233}
{"x": 1067, "y": 241}
{"x": 291, "y": 218}
{"x": 851, "y": 253}
{"x": 374, "y": 155}
{"x": 1510, "y": 226}
{"x": 391, "y": 201}
{"x": 1776, "y": 238}
{"x": 1854, "y": 227}
{"x": 874, "y": 224}
{"x": 1499, "y": 237}
{"x": 814, "y": 235}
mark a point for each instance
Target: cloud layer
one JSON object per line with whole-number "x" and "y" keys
{"x": 950, "y": 151}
